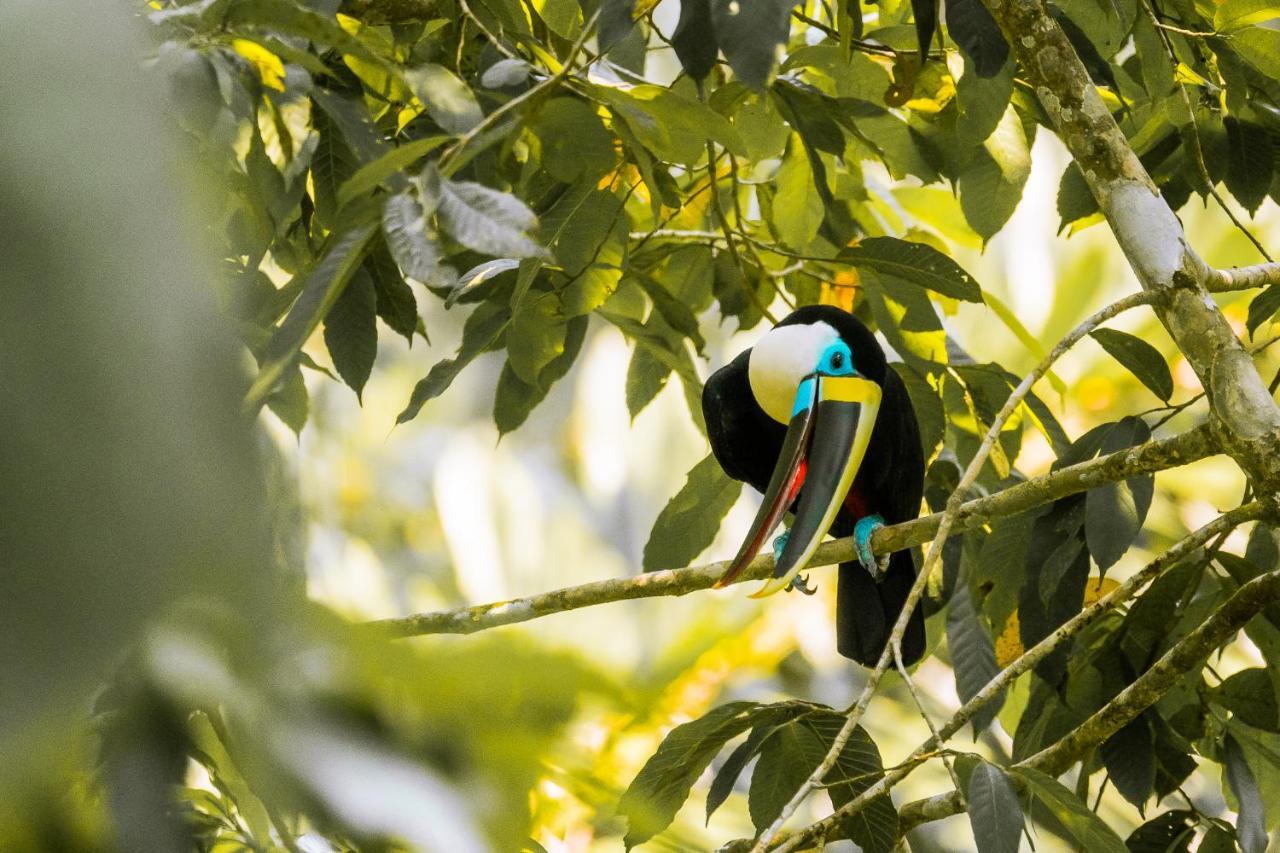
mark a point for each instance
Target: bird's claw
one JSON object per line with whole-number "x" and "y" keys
{"x": 862, "y": 532}
{"x": 800, "y": 583}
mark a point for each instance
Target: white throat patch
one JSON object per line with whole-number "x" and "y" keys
{"x": 783, "y": 357}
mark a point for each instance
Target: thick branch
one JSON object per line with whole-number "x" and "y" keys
{"x": 1187, "y": 547}
{"x": 1154, "y": 456}
{"x": 1243, "y": 278}
{"x": 1150, "y": 236}
{"x": 1187, "y": 654}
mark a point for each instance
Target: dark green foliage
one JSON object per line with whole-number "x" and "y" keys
{"x": 1170, "y": 832}
{"x": 1139, "y": 358}
{"x": 972, "y": 654}
{"x": 995, "y": 815}
{"x": 1251, "y": 829}
{"x": 975, "y": 32}
{"x": 690, "y": 520}
{"x": 1085, "y": 827}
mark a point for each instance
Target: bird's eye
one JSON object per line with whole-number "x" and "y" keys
{"x": 837, "y": 360}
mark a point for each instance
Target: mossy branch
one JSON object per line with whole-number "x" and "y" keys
{"x": 1154, "y": 456}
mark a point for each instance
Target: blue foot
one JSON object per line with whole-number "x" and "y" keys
{"x": 779, "y": 543}
{"x": 862, "y": 531}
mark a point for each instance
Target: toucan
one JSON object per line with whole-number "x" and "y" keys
{"x": 814, "y": 418}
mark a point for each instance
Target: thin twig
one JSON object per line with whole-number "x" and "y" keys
{"x": 489, "y": 121}
{"x": 1243, "y": 278}
{"x": 893, "y": 647}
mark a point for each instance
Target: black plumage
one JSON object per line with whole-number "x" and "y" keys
{"x": 890, "y": 482}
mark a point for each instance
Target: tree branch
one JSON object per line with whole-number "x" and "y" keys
{"x": 1183, "y": 549}
{"x": 1243, "y": 278}
{"x": 1187, "y": 654}
{"x": 1154, "y": 456}
{"x": 1150, "y": 236}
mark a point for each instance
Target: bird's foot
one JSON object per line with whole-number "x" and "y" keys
{"x": 862, "y": 532}
{"x": 798, "y": 582}
{"x": 779, "y": 544}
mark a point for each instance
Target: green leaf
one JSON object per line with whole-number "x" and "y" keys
{"x": 537, "y": 335}
{"x": 331, "y": 165}
{"x": 1251, "y": 161}
{"x": 371, "y": 175}
{"x": 290, "y": 401}
{"x": 1138, "y": 357}
{"x": 574, "y": 141}
{"x": 991, "y": 184}
{"x": 1130, "y": 758}
{"x": 1251, "y": 825}
{"x": 1170, "y": 832}
{"x": 482, "y": 328}
{"x": 564, "y": 17}
{"x": 676, "y": 314}
{"x": 646, "y": 377}
{"x": 783, "y": 766}
{"x": 927, "y": 405}
{"x": 323, "y": 284}
{"x": 727, "y": 776}
{"x": 1260, "y": 47}
{"x": 353, "y": 121}
{"x": 981, "y": 101}
{"x": 906, "y": 316}
{"x": 652, "y": 799}
{"x": 1075, "y": 199}
{"x": 615, "y": 23}
{"x": 1263, "y": 307}
{"x": 1083, "y": 825}
{"x": 1115, "y": 512}
{"x": 857, "y": 768}
{"x": 915, "y": 263}
{"x": 450, "y": 102}
{"x": 995, "y": 815}
{"x": 797, "y": 208}
{"x": 694, "y": 38}
{"x": 351, "y": 333}
{"x": 673, "y": 127}
{"x": 751, "y": 36}
{"x": 515, "y": 399}
{"x": 1236, "y": 15}
{"x": 413, "y": 241}
{"x": 973, "y": 655}
{"x": 690, "y": 520}
{"x": 397, "y": 305}
{"x": 977, "y": 35}
{"x": 487, "y": 220}
{"x": 1251, "y": 696}
{"x": 1146, "y": 625}
{"x": 1218, "y": 839}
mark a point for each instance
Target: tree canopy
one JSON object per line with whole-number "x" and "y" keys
{"x": 677, "y": 174}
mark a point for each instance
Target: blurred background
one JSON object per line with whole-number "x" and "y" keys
{"x": 120, "y": 385}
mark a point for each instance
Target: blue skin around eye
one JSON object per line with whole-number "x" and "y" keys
{"x": 827, "y": 367}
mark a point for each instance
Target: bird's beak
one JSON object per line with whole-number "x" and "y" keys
{"x": 828, "y": 435}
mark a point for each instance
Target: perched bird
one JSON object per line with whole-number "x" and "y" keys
{"x": 813, "y": 417}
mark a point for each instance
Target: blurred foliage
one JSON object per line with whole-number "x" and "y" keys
{"x": 572, "y": 175}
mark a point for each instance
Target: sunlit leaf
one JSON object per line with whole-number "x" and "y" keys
{"x": 917, "y": 263}
{"x": 1139, "y": 358}
{"x": 690, "y": 520}
{"x": 1084, "y": 826}
{"x": 656, "y": 794}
